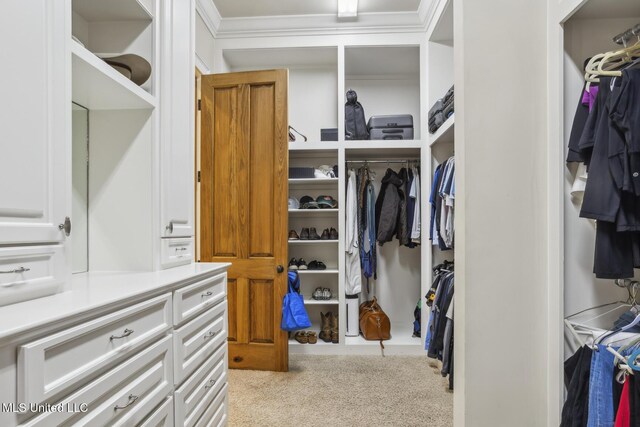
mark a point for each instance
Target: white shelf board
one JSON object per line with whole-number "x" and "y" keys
{"x": 97, "y": 86}
{"x": 310, "y": 242}
{"x": 382, "y": 149}
{"x": 292, "y": 341}
{"x": 445, "y": 133}
{"x": 327, "y": 271}
{"x": 311, "y": 301}
{"x": 313, "y": 145}
{"x": 313, "y": 182}
{"x": 313, "y": 212}
{"x": 112, "y": 10}
{"x": 599, "y": 9}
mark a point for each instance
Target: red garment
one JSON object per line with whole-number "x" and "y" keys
{"x": 623, "y": 417}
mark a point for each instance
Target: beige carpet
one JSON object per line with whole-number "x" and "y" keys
{"x": 342, "y": 391}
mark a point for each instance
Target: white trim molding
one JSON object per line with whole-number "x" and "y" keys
{"x": 210, "y": 15}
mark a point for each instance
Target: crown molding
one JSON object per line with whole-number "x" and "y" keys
{"x": 426, "y": 11}
{"x": 292, "y": 25}
{"x": 210, "y": 15}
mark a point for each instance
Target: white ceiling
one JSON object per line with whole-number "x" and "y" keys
{"x": 244, "y": 8}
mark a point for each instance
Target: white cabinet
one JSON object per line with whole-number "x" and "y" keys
{"x": 177, "y": 94}
{"x": 34, "y": 121}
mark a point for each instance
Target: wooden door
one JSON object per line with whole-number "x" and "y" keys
{"x": 35, "y": 122}
{"x": 244, "y": 207}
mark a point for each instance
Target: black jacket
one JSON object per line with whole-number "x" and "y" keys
{"x": 388, "y": 207}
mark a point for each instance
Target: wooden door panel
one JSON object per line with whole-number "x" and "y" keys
{"x": 244, "y": 203}
{"x": 261, "y": 311}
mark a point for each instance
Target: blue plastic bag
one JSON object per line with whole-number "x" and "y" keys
{"x": 294, "y": 315}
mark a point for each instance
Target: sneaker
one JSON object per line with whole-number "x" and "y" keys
{"x": 302, "y": 264}
{"x": 325, "y": 234}
{"x": 293, "y": 264}
{"x": 318, "y": 294}
{"x": 304, "y": 234}
{"x": 326, "y": 294}
{"x": 333, "y": 234}
{"x": 293, "y": 235}
{"x": 317, "y": 265}
{"x": 313, "y": 234}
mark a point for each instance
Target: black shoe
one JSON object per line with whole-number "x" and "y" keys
{"x": 333, "y": 234}
{"x": 304, "y": 234}
{"x": 313, "y": 234}
{"x": 325, "y": 234}
{"x": 302, "y": 264}
{"x": 315, "y": 265}
{"x": 293, "y": 264}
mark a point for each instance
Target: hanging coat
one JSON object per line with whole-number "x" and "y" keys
{"x": 353, "y": 270}
{"x": 388, "y": 207}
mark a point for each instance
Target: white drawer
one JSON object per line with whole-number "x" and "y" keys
{"x": 216, "y": 413}
{"x": 194, "y": 342}
{"x": 198, "y": 392}
{"x": 177, "y": 251}
{"x": 124, "y": 396}
{"x": 31, "y": 272}
{"x": 194, "y": 299}
{"x": 53, "y": 364}
{"x": 161, "y": 416}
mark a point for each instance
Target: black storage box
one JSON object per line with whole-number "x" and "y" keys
{"x": 330, "y": 134}
{"x": 397, "y": 126}
{"x": 301, "y": 173}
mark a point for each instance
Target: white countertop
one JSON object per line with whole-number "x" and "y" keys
{"x": 90, "y": 291}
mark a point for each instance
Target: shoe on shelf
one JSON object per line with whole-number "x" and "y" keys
{"x": 325, "y": 234}
{"x": 304, "y": 234}
{"x": 301, "y": 337}
{"x": 333, "y": 234}
{"x": 302, "y": 264}
{"x": 318, "y": 294}
{"x": 312, "y": 337}
{"x": 325, "y": 326}
{"x": 293, "y": 235}
{"x": 293, "y": 264}
{"x": 335, "y": 338}
{"x": 313, "y": 234}
{"x": 326, "y": 294}
{"x": 317, "y": 265}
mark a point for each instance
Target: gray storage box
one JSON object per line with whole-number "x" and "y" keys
{"x": 397, "y": 126}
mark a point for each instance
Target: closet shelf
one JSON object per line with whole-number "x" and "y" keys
{"x": 400, "y": 335}
{"x": 112, "y": 10}
{"x": 313, "y": 145}
{"x": 311, "y": 242}
{"x": 313, "y": 182}
{"x": 358, "y": 150}
{"x": 97, "y": 86}
{"x": 311, "y": 301}
{"x": 320, "y": 342}
{"x": 445, "y": 133}
{"x": 327, "y": 271}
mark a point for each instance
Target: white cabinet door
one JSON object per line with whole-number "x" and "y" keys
{"x": 177, "y": 84}
{"x": 34, "y": 121}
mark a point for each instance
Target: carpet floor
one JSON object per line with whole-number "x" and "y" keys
{"x": 342, "y": 391}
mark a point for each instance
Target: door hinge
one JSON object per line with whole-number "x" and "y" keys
{"x": 199, "y": 104}
{"x": 198, "y": 176}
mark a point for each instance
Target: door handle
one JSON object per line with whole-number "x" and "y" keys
{"x": 125, "y": 334}
{"x": 66, "y": 226}
{"x": 279, "y": 268}
{"x": 131, "y": 401}
{"x": 169, "y": 227}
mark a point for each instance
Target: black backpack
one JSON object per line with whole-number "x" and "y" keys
{"x": 355, "y": 126}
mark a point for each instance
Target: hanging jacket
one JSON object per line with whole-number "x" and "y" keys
{"x": 388, "y": 207}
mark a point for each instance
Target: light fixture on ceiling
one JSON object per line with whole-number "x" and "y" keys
{"x": 347, "y": 8}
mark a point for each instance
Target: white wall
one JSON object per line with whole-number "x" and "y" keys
{"x": 501, "y": 216}
{"x": 204, "y": 45}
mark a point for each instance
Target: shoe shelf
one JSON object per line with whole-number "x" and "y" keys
{"x": 327, "y": 271}
{"x": 292, "y": 341}
{"x": 313, "y": 212}
{"x": 313, "y": 182}
{"x": 311, "y": 242}
{"x": 311, "y": 301}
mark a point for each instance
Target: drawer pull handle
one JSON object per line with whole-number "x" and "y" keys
{"x": 125, "y": 334}
{"x": 210, "y": 334}
{"x": 210, "y": 384}
{"x": 207, "y": 294}
{"x": 15, "y": 270}
{"x": 182, "y": 249}
{"x": 132, "y": 400}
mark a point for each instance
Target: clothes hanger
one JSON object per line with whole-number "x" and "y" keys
{"x": 633, "y": 291}
{"x": 615, "y": 59}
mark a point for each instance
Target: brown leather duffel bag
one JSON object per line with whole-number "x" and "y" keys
{"x": 374, "y": 323}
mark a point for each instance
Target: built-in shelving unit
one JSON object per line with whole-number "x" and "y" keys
{"x": 313, "y": 182}
{"x": 445, "y": 134}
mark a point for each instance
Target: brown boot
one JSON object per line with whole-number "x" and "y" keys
{"x": 335, "y": 337}
{"x": 325, "y": 327}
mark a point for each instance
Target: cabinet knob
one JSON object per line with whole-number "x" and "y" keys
{"x": 279, "y": 268}
{"x": 169, "y": 227}
{"x": 238, "y": 359}
{"x": 66, "y": 226}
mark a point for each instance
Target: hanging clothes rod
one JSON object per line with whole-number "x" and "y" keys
{"x": 625, "y": 37}
{"x": 385, "y": 161}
